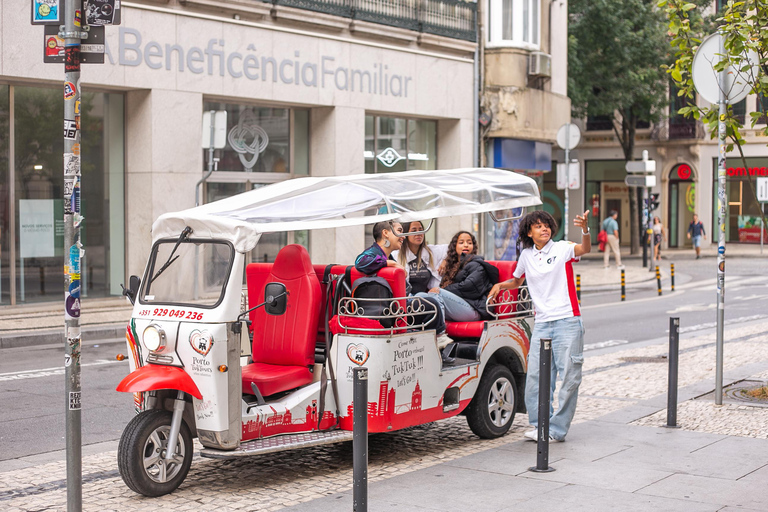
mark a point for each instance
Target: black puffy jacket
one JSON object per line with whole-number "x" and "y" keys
{"x": 474, "y": 281}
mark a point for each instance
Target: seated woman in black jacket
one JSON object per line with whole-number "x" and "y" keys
{"x": 467, "y": 279}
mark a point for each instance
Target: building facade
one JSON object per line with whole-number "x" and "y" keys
{"x": 524, "y": 48}
{"x": 318, "y": 88}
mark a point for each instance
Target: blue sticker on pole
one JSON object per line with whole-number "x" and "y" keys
{"x": 74, "y": 289}
{"x": 74, "y": 260}
{"x": 721, "y": 250}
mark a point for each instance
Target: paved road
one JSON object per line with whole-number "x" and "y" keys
{"x": 31, "y": 383}
{"x": 644, "y": 315}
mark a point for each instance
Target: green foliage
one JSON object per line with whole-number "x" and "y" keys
{"x": 615, "y": 49}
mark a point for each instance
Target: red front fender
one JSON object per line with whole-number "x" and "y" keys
{"x": 151, "y": 377}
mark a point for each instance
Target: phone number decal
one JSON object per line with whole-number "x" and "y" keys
{"x": 172, "y": 313}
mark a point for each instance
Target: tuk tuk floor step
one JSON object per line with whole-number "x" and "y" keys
{"x": 279, "y": 443}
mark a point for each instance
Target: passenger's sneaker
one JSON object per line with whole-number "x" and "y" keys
{"x": 620, "y": 267}
{"x": 443, "y": 340}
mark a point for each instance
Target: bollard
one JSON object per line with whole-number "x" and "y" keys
{"x": 672, "y": 275}
{"x": 578, "y": 288}
{"x": 360, "y": 440}
{"x": 623, "y": 289}
{"x": 658, "y": 279}
{"x": 545, "y": 381}
{"x": 674, "y": 348}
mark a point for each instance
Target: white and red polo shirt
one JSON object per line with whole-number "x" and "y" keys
{"x": 549, "y": 273}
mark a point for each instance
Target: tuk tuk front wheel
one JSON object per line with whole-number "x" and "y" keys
{"x": 492, "y": 410}
{"x": 141, "y": 454}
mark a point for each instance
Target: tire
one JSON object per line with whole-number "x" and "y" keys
{"x": 492, "y": 410}
{"x": 140, "y": 454}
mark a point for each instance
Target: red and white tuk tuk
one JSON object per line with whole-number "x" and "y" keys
{"x": 269, "y": 367}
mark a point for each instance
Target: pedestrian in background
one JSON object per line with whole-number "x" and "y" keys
{"x": 547, "y": 268}
{"x": 695, "y": 232}
{"x": 611, "y": 227}
{"x": 658, "y": 233}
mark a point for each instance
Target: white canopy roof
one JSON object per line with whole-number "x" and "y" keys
{"x": 336, "y": 201}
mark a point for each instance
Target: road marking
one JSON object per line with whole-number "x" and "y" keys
{"x": 604, "y": 344}
{"x": 635, "y": 301}
{"x": 709, "y": 325}
{"x": 48, "y": 372}
{"x": 688, "y": 308}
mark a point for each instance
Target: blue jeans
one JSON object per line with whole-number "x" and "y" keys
{"x": 568, "y": 354}
{"x": 696, "y": 240}
{"x": 455, "y": 308}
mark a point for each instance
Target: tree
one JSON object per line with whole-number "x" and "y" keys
{"x": 615, "y": 51}
{"x": 745, "y": 26}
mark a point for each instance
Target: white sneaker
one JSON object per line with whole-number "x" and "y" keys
{"x": 443, "y": 340}
{"x": 620, "y": 267}
{"x": 533, "y": 435}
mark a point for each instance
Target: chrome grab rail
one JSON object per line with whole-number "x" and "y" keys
{"x": 403, "y": 317}
{"x": 523, "y": 305}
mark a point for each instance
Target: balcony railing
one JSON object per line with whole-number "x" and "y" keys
{"x": 677, "y": 128}
{"x": 450, "y": 18}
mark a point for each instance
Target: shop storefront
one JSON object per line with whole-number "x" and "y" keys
{"x": 742, "y": 222}
{"x": 605, "y": 190}
{"x": 297, "y": 102}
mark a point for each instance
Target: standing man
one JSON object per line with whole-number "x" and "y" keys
{"x": 547, "y": 267}
{"x": 611, "y": 227}
{"x": 696, "y": 230}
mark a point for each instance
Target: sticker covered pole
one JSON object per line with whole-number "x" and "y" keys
{"x": 722, "y": 203}
{"x": 72, "y": 36}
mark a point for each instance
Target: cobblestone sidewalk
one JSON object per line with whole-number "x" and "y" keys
{"x": 270, "y": 482}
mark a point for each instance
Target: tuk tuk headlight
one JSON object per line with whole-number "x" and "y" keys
{"x": 154, "y": 338}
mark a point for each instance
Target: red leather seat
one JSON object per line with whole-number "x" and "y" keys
{"x": 475, "y": 329}
{"x": 283, "y": 349}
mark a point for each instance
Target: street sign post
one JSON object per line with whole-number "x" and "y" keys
{"x": 640, "y": 181}
{"x": 642, "y": 175}
{"x": 63, "y": 35}
{"x": 568, "y": 137}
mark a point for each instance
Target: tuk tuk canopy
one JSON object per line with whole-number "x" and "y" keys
{"x": 337, "y": 201}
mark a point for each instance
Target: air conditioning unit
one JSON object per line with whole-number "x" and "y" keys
{"x": 540, "y": 64}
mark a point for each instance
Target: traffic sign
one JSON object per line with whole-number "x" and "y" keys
{"x": 91, "y": 50}
{"x": 568, "y": 176}
{"x": 640, "y": 181}
{"x": 568, "y": 136}
{"x": 762, "y": 190}
{"x": 641, "y": 166}
{"x": 737, "y": 76}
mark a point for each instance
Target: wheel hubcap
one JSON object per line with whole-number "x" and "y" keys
{"x": 155, "y": 465}
{"x": 501, "y": 402}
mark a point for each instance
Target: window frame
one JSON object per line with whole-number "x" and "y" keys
{"x": 495, "y": 24}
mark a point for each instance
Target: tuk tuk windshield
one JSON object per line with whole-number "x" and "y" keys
{"x": 188, "y": 272}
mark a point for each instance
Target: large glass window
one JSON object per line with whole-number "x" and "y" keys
{"x": 269, "y": 140}
{"x": 514, "y": 23}
{"x": 396, "y": 144}
{"x": 32, "y": 118}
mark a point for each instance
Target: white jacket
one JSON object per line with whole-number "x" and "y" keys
{"x": 439, "y": 253}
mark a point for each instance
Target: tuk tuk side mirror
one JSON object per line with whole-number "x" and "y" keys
{"x": 133, "y": 288}
{"x": 275, "y": 298}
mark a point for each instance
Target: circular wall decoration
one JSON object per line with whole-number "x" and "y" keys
{"x": 684, "y": 172}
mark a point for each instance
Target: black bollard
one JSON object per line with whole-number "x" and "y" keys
{"x": 674, "y": 348}
{"x": 658, "y": 279}
{"x": 360, "y": 440}
{"x": 578, "y": 288}
{"x": 545, "y": 381}
{"x": 672, "y": 275}
{"x": 623, "y": 289}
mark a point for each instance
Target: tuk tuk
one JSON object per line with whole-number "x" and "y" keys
{"x": 253, "y": 358}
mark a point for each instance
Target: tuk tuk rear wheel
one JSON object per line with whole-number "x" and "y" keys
{"x": 141, "y": 454}
{"x": 492, "y": 410}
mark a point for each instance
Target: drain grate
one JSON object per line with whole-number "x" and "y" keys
{"x": 649, "y": 359}
{"x": 740, "y": 391}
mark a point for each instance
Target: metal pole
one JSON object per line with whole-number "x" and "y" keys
{"x": 545, "y": 383}
{"x": 649, "y": 231}
{"x": 658, "y": 279}
{"x": 672, "y": 275}
{"x": 722, "y": 202}
{"x": 72, "y": 35}
{"x": 644, "y": 235}
{"x": 578, "y": 288}
{"x": 674, "y": 348}
{"x": 360, "y": 440}
{"x": 567, "y": 178}
{"x": 623, "y": 288}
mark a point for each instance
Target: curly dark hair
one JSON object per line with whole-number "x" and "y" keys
{"x": 528, "y": 221}
{"x": 453, "y": 261}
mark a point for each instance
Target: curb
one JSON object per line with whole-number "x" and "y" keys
{"x": 56, "y": 336}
